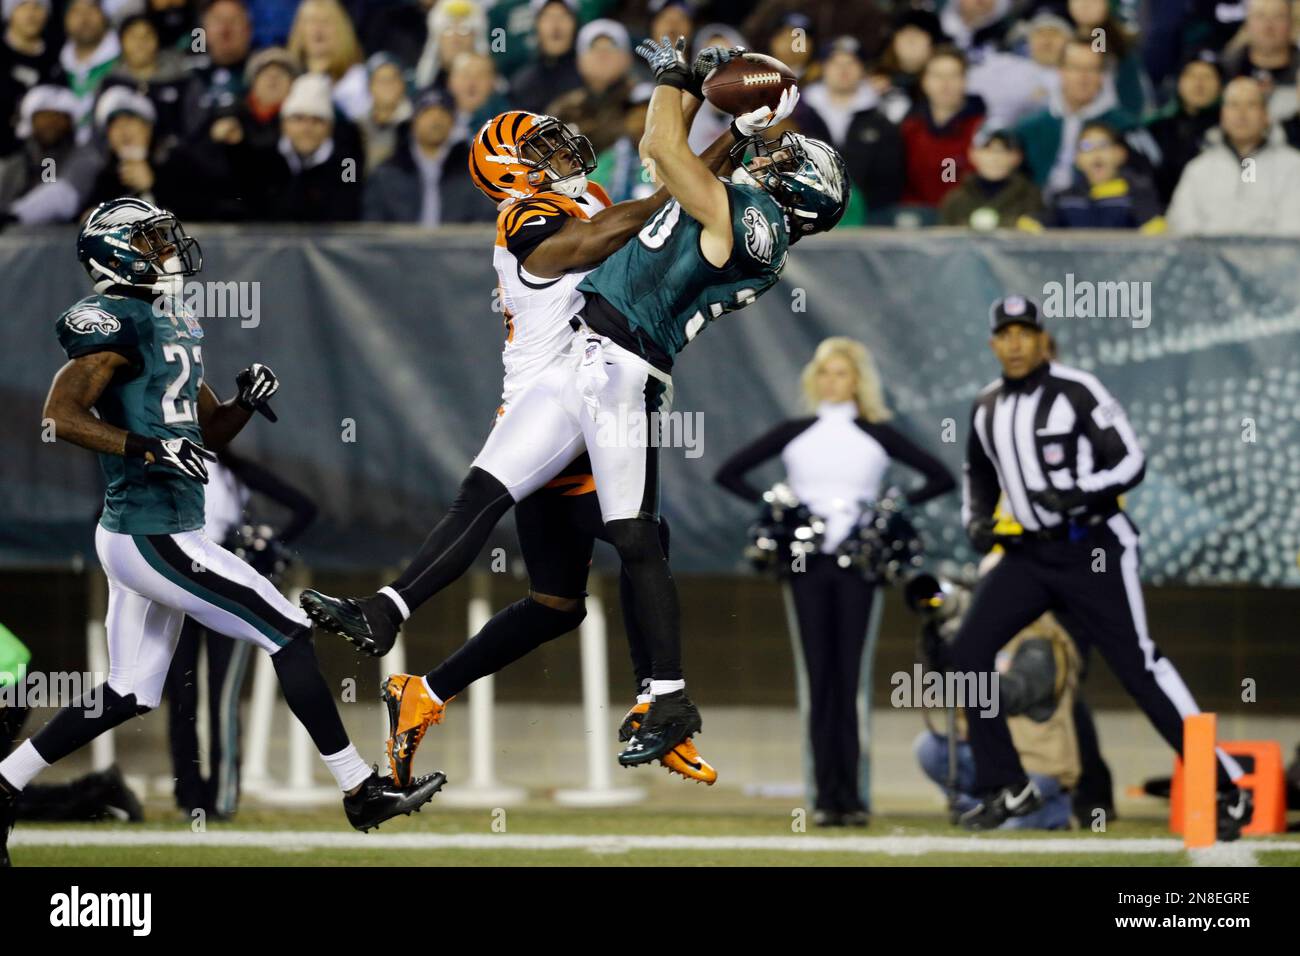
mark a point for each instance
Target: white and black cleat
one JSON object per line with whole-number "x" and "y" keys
{"x": 1236, "y": 808}
{"x": 380, "y": 799}
{"x": 1001, "y": 805}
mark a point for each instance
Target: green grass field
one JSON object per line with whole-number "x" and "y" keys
{"x": 546, "y": 835}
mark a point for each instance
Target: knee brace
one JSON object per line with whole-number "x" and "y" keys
{"x": 551, "y": 621}
{"x": 636, "y": 539}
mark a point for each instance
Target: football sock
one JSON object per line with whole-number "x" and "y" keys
{"x": 21, "y": 766}
{"x": 429, "y": 690}
{"x": 661, "y": 687}
{"x": 308, "y": 696}
{"x": 69, "y": 730}
{"x": 398, "y": 603}
{"x": 636, "y": 643}
{"x": 457, "y": 539}
{"x": 653, "y": 593}
{"x": 507, "y": 636}
{"x": 348, "y": 768}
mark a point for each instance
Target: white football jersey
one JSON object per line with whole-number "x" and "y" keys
{"x": 537, "y": 311}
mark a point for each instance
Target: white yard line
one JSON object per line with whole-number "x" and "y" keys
{"x": 890, "y": 845}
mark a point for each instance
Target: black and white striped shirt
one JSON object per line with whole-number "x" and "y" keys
{"x": 1057, "y": 427}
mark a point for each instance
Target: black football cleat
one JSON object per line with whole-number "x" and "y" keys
{"x": 381, "y": 799}
{"x": 366, "y": 622}
{"x": 1001, "y": 805}
{"x": 8, "y": 814}
{"x": 1236, "y": 808}
{"x": 118, "y": 800}
{"x": 828, "y": 818}
{"x": 671, "y": 719}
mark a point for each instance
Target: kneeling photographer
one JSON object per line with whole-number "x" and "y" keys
{"x": 1038, "y": 677}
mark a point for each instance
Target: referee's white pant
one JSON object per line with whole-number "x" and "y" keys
{"x": 155, "y": 581}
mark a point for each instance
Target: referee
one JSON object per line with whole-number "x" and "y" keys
{"x": 1053, "y": 441}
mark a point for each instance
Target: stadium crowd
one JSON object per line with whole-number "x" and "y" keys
{"x": 1158, "y": 115}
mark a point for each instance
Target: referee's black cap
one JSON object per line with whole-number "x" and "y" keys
{"x": 1014, "y": 310}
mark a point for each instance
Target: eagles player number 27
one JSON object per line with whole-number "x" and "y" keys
{"x": 177, "y": 409}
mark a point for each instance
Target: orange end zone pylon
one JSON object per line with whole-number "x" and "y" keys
{"x": 1199, "y": 810}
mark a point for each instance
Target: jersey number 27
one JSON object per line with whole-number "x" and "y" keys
{"x": 174, "y": 408}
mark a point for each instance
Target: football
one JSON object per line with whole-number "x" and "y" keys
{"x": 748, "y": 82}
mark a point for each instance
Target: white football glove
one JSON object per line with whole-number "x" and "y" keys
{"x": 257, "y": 384}
{"x": 749, "y": 124}
{"x": 179, "y": 454}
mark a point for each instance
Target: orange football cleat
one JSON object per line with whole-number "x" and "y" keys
{"x": 683, "y": 759}
{"x": 410, "y": 712}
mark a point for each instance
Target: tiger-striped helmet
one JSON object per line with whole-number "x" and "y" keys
{"x": 512, "y": 157}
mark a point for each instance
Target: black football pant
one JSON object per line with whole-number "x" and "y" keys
{"x": 557, "y": 527}
{"x": 832, "y": 617}
{"x": 1092, "y": 587}
{"x": 227, "y": 668}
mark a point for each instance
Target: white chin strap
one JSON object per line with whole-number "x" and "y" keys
{"x": 740, "y": 176}
{"x": 571, "y": 186}
{"x": 169, "y": 284}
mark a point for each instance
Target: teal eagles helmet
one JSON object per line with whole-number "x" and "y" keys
{"x": 806, "y": 177}
{"x": 129, "y": 241}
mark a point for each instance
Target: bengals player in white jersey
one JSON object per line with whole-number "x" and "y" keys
{"x": 553, "y": 227}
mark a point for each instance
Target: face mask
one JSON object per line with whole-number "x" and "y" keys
{"x": 741, "y": 177}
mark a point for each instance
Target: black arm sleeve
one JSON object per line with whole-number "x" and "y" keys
{"x": 980, "y": 487}
{"x": 764, "y": 448}
{"x": 261, "y": 480}
{"x": 938, "y": 479}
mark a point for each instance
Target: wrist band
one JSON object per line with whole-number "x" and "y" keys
{"x": 136, "y": 446}
{"x": 673, "y": 78}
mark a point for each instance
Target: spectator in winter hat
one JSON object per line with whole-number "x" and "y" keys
{"x": 1178, "y": 131}
{"x": 844, "y": 109}
{"x": 49, "y": 176}
{"x": 995, "y": 194}
{"x": 455, "y": 27}
{"x": 154, "y": 72}
{"x": 390, "y": 107}
{"x": 604, "y": 62}
{"x": 307, "y": 176}
{"x": 554, "y": 68}
{"x": 426, "y": 180}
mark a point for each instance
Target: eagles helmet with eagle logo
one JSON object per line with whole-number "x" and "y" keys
{"x": 512, "y": 157}
{"x": 805, "y": 176}
{"x": 129, "y": 241}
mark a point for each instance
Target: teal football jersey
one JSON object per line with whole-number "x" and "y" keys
{"x": 667, "y": 291}
{"x": 156, "y": 395}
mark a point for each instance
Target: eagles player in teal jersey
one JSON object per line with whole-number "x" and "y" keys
{"x": 715, "y": 248}
{"x": 133, "y": 391}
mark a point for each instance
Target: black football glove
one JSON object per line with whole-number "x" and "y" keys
{"x": 668, "y": 60}
{"x": 980, "y": 532}
{"x": 257, "y": 384}
{"x": 175, "y": 454}
{"x": 1058, "y": 501}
